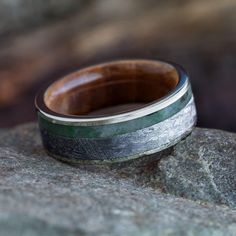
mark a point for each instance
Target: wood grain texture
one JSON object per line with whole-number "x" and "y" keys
{"x": 111, "y": 84}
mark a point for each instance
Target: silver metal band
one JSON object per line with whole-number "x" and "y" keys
{"x": 113, "y": 138}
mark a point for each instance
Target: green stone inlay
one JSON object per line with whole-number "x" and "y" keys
{"x": 109, "y": 130}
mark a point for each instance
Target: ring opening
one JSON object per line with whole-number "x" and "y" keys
{"x": 111, "y": 88}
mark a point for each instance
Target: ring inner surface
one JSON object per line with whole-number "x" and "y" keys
{"x": 111, "y": 88}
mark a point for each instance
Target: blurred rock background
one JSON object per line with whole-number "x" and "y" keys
{"x": 42, "y": 40}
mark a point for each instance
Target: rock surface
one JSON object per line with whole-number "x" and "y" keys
{"x": 203, "y": 167}
{"x": 41, "y": 196}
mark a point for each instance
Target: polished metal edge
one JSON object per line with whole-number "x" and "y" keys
{"x": 121, "y": 117}
{"x": 102, "y": 131}
{"x": 149, "y": 109}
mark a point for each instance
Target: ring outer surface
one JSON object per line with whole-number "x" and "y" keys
{"x": 108, "y": 139}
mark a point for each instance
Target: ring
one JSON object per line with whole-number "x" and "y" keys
{"x": 116, "y": 111}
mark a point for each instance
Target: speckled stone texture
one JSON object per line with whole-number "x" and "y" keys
{"x": 149, "y": 196}
{"x": 203, "y": 167}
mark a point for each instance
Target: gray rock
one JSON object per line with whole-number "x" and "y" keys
{"x": 41, "y": 196}
{"x": 203, "y": 167}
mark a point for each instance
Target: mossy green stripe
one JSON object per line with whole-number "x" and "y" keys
{"x": 109, "y": 130}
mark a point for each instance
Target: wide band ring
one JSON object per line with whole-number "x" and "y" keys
{"x": 154, "y": 110}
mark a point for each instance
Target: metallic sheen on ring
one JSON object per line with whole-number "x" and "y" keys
{"x": 82, "y": 138}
